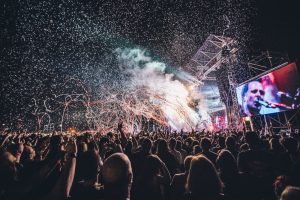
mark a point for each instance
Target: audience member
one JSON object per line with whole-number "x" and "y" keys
{"x": 117, "y": 177}
{"x": 160, "y": 165}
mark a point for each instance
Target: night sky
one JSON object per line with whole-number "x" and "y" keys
{"x": 43, "y": 43}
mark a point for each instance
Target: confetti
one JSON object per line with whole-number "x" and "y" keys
{"x": 62, "y": 61}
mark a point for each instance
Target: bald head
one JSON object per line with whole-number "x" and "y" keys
{"x": 290, "y": 193}
{"x": 117, "y": 169}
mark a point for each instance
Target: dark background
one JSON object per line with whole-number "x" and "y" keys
{"x": 43, "y": 43}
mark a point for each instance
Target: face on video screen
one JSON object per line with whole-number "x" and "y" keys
{"x": 253, "y": 92}
{"x": 274, "y": 92}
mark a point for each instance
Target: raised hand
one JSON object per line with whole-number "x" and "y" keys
{"x": 71, "y": 147}
{"x": 120, "y": 126}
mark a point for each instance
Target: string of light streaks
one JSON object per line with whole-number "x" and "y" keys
{"x": 147, "y": 94}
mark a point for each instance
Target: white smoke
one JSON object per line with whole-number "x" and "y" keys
{"x": 163, "y": 91}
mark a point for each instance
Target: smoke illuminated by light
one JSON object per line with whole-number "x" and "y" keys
{"x": 146, "y": 93}
{"x": 164, "y": 92}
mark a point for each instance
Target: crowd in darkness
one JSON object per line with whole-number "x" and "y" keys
{"x": 198, "y": 165}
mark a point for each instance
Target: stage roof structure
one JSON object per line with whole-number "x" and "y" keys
{"x": 210, "y": 56}
{"x": 217, "y": 52}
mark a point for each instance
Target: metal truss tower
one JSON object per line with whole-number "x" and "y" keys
{"x": 265, "y": 61}
{"x": 209, "y": 57}
{"x": 233, "y": 111}
{"x": 216, "y": 52}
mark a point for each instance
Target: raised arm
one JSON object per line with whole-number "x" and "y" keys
{"x": 165, "y": 174}
{"x": 135, "y": 143}
{"x": 5, "y": 140}
{"x": 123, "y": 136}
{"x": 63, "y": 186}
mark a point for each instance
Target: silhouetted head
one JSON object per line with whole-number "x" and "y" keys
{"x": 230, "y": 142}
{"x": 128, "y": 148}
{"x": 197, "y": 149}
{"x": 227, "y": 163}
{"x": 55, "y": 143}
{"x": 179, "y": 145}
{"x": 151, "y": 166}
{"x": 117, "y": 176}
{"x": 91, "y": 164}
{"x": 8, "y": 170}
{"x": 252, "y": 139}
{"x": 28, "y": 154}
{"x": 221, "y": 141}
{"x": 82, "y": 147}
{"x": 172, "y": 143}
{"x": 205, "y": 144}
{"x": 162, "y": 146}
{"x": 110, "y": 135}
{"x": 146, "y": 145}
{"x": 195, "y": 142}
{"x": 203, "y": 179}
{"x": 290, "y": 193}
{"x": 244, "y": 147}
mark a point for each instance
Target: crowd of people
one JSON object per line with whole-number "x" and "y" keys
{"x": 198, "y": 165}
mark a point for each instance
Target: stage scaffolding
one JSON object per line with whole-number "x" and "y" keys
{"x": 266, "y": 61}
{"x": 209, "y": 57}
{"x": 260, "y": 65}
{"x": 216, "y": 53}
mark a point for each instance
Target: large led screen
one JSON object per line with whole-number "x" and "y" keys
{"x": 274, "y": 92}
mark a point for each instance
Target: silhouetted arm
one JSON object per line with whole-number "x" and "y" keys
{"x": 135, "y": 143}
{"x": 5, "y": 140}
{"x": 123, "y": 136}
{"x": 165, "y": 174}
{"x": 63, "y": 186}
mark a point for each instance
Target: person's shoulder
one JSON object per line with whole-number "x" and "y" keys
{"x": 170, "y": 154}
{"x": 260, "y": 152}
{"x": 209, "y": 153}
{"x": 178, "y": 176}
{"x": 243, "y": 153}
{"x": 138, "y": 153}
{"x": 251, "y": 153}
{"x": 175, "y": 151}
